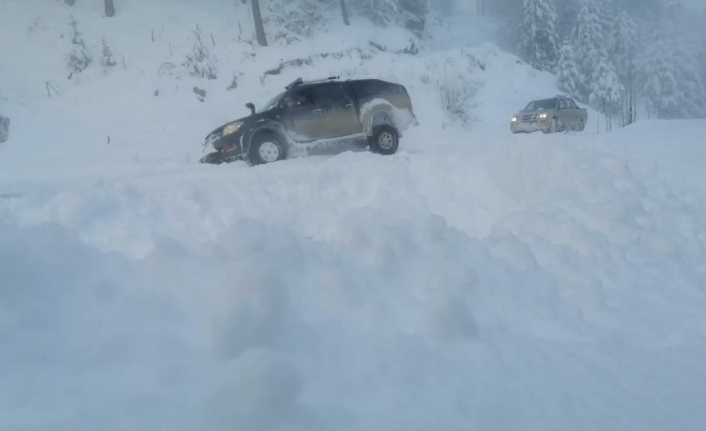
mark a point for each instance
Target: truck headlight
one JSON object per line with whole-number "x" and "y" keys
{"x": 232, "y": 128}
{"x": 542, "y": 116}
{"x": 514, "y": 119}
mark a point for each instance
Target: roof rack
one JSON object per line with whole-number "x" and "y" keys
{"x": 296, "y": 83}
{"x": 300, "y": 81}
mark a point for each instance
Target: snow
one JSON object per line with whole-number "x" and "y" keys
{"x": 474, "y": 280}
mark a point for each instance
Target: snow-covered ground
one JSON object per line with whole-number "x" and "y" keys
{"x": 476, "y": 280}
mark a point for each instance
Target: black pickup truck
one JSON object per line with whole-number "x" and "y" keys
{"x": 370, "y": 111}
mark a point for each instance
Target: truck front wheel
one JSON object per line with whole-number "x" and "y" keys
{"x": 266, "y": 147}
{"x": 385, "y": 140}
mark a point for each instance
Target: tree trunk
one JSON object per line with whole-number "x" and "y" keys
{"x": 344, "y": 11}
{"x": 259, "y": 28}
{"x": 109, "y": 8}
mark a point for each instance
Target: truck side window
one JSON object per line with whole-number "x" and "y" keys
{"x": 300, "y": 98}
{"x": 562, "y": 104}
{"x": 329, "y": 95}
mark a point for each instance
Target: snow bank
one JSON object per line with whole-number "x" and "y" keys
{"x": 440, "y": 292}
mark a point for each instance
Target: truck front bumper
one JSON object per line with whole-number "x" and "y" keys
{"x": 529, "y": 127}
{"x": 228, "y": 148}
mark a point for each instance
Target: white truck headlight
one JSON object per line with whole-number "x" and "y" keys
{"x": 232, "y": 128}
{"x": 542, "y": 116}
{"x": 514, "y": 119}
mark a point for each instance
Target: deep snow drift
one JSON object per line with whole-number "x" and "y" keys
{"x": 475, "y": 280}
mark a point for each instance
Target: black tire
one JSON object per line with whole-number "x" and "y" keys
{"x": 553, "y": 128}
{"x": 261, "y": 153}
{"x": 582, "y": 126}
{"x": 385, "y": 140}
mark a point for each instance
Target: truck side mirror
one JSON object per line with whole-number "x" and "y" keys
{"x": 251, "y": 107}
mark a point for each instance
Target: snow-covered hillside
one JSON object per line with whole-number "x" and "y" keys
{"x": 476, "y": 280}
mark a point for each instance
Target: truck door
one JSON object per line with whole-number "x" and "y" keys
{"x": 564, "y": 113}
{"x": 339, "y": 117}
{"x": 301, "y": 116}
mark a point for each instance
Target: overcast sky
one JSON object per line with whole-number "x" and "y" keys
{"x": 696, "y": 3}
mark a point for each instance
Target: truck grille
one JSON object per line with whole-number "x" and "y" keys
{"x": 530, "y": 118}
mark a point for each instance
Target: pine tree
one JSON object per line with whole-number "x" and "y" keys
{"x": 623, "y": 51}
{"x": 568, "y": 69}
{"x": 539, "y": 44}
{"x": 413, "y": 15}
{"x": 107, "y": 59}
{"x": 671, "y": 83}
{"x": 606, "y": 15}
{"x": 567, "y": 10}
{"x": 589, "y": 44}
{"x": 606, "y": 90}
{"x": 80, "y": 56}
{"x": 381, "y": 12}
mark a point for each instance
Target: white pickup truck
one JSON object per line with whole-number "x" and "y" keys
{"x": 550, "y": 116}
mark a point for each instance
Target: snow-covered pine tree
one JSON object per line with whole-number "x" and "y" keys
{"x": 107, "y": 59}
{"x": 539, "y": 42}
{"x": 670, "y": 76}
{"x": 567, "y": 10}
{"x": 568, "y": 69}
{"x": 80, "y": 56}
{"x": 381, "y": 12}
{"x": 589, "y": 44}
{"x": 623, "y": 51}
{"x": 413, "y": 15}
{"x": 199, "y": 63}
{"x": 291, "y": 20}
{"x": 606, "y": 90}
{"x": 607, "y": 13}
{"x": 672, "y": 86}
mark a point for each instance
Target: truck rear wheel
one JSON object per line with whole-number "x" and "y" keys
{"x": 385, "y": 140}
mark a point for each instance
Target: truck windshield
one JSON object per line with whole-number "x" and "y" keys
{"x": 541, "y": 104}
{"x": 271, "y": 104}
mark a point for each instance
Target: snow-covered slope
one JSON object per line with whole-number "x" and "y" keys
{"x": 475, "y": 280}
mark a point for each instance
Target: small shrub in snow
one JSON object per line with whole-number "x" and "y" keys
{"x": 199, "y": 63}
{"x": 80, "y": 56}
{"x": 458, "y": 99}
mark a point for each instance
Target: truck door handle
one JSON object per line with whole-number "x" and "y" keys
{"x": 317, "y": 111}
